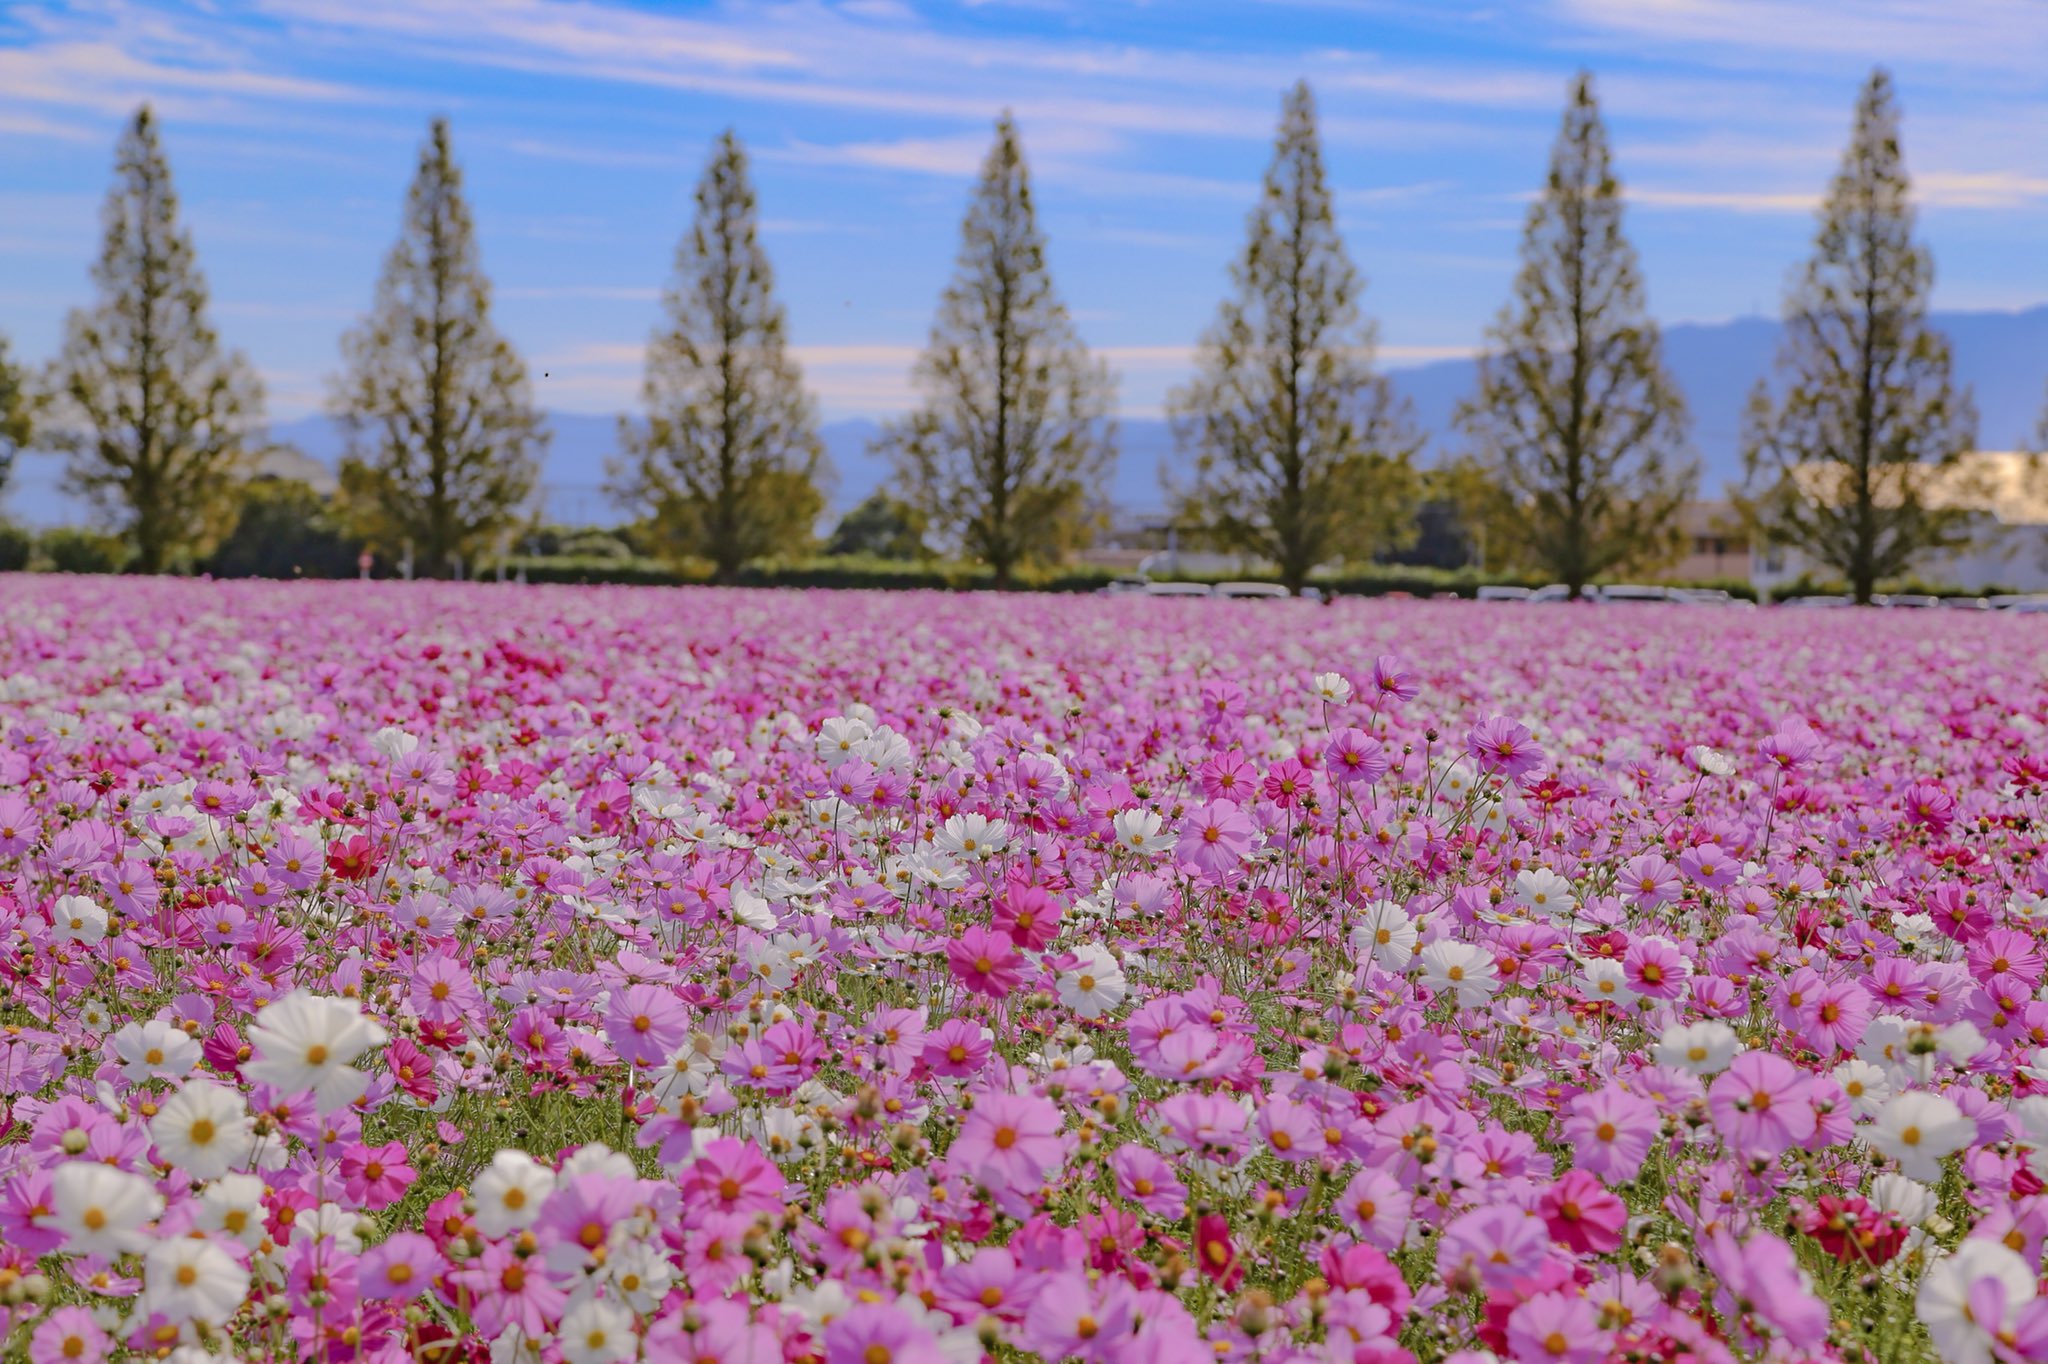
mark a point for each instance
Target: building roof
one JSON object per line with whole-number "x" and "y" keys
{"x": 2010, "y": 485}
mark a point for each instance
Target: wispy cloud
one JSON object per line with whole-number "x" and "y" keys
{"x": 1983, "y": 35}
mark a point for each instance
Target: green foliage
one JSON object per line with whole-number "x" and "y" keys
{"x": 1840, "y": 464}
{"x": 17, "y": 412}
{"x": 1015, "y": 434}
{"x": 728, "y": 458}
{"x": 152, "y": 412}
{"x": 284, "y": 529}
{"x": 1575, "y": 415}
{"x": 443, "y": 437}
{"x": 881, "y": 528}
{"x": 71, "y": 549}
{"x": 1302, "y": 452}
{"x": 17, "y": 547}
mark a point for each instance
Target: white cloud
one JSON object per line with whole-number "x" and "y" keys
{"x": 2008, "y": 36}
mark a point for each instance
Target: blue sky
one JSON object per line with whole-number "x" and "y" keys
{"x": 582, "y": 125}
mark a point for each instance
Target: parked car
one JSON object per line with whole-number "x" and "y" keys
{"x": 1244, "y": 590}
{"x": 1962, "y": 603}
{"x": 1630, "y": 594}
{"x": 1820, "y": 602}
{"x": 1907, "y": 601}
{"x": 1706, "y": 596}
{"x": 1502, "y": 592}
{"x": 1178, "y": 590}
{"x": 1554, "y": 592}
{"x": 1124, "y": 587}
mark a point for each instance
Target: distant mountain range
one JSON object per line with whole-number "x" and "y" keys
{"x": 2003, "y": 356}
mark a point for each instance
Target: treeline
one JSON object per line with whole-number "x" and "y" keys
{"x": 1572, "y": 456}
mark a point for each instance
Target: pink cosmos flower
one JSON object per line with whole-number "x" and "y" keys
{"x": 1490, "y": 1247}
{"x": 376, "y": 1177}
{"x": 1214, "y": 838}
{"x": 1354, "y": 758}
{"x": 402, "y": 1266}
{"x": 68, "y": 1335}
{"x": 956, "y": 1049}
{"x": 1609, "y": 1132}
{"x": 1010, "y": 1142}
{"x": 1145, "y": 1177}
{"x": 1560, "y": 1327}
{"x": 1027, "y": 915}
{"x": 1375, "y": 1206}
{"x": 1761, "y": 1278}
{"x": 1504, "y": 746}
{"x": 733, "y": 1176}
{"x": 645, "y": 1024}
{"x": 507, "y": 1291}
{"x": 1760, "y": 1104}
{"x": 869, "y": 1332}
{"x": 1582, "y": 1215}
{"x": 985, "y": 961}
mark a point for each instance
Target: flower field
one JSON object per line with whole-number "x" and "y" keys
{"x": 463, "y": 973}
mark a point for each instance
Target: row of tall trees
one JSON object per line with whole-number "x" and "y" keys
{"x": 1575, "y": 457}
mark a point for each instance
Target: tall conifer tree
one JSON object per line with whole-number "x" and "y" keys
{"x": 1575, "y": 413}
{"x": 1842, "y": 460}
{"x": 17, "y": 412}
{"x": 1302, "y": 452}
{"x": 729, "y": 456}
{"x": 156, "y": 416}
{"x": 443, "y": 438}
{"x": 1009, "y": 451}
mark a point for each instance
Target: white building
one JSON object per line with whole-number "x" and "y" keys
{"x": 2006, "y": 493}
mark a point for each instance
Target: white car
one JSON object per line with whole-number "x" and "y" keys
{"x": 1251, "y": 590}
{"x": 1629, "y": 594}
{"x": 1502, "y": 592}
{"x": 1178, "y": 590}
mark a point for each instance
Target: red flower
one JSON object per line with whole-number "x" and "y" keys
{"x": 1853, "y": 1231}
{"x": 352, "y": 858}
{"x": 1214, "y": 1252}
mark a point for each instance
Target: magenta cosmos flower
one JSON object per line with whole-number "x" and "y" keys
{"x": 1214, "y": 838}
{"x": 1010, "y": 1142}
{"x": 1760, "y": 1104}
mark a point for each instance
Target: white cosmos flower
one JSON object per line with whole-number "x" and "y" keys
{"x": 1141, "y": 832}
{"x": 1387, "y": 935}
{"x": 310, "y": 1042}
{"x": 1712, "y": 761}
{"x": 101, "y": 1210}
{"x": 509, "y": 1193}
{"x": 203, "y": 1129}
{"x": 75, "y": 918}
{"x": 753, "y": 911}
{"x": 1467, "y": 968}
{"x": 1704, "y": 1048}
{"x": 972, "y": 838}
{"x": 154, "y": 1051}
{"x": 597, "y": 1331}
{"x": 1094, "y": 987}
{"x": 394, "y": 743}
{"x": 1602, "y": 981}
{"x": 840, "y": 738}
{"x": 1917, "y": 1129}
{"x": 233, "y": 1206}
{"x": 1866, "y": 1085}
{"x": 1907, "y": 1199}
{"x": 1943, "y": 1302}
{"x": 188, "y": 1278}
{"x": 1334, "y": 688}
{"x": 1545, "y": 891}
{"x": 640, "y": 1275}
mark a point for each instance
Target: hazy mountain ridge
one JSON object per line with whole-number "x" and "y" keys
{"x": 2002, "y": 355}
